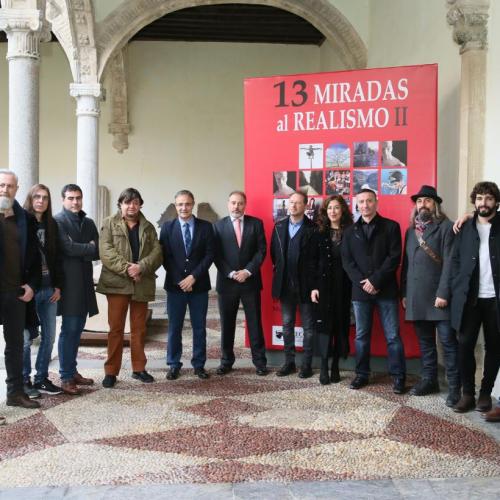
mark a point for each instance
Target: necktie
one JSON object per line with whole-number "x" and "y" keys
{"x": 237, "y": 230}
{"x": 187, "y": 237}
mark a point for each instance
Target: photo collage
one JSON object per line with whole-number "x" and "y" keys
{"x": 342, "y": 169}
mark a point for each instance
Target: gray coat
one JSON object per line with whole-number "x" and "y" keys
{"x": 423, "y": 279}
{"x": 75, "y": 233}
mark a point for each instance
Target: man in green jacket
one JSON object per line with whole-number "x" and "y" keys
{"x": 130, "y": 254}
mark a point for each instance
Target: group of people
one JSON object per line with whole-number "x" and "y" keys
{"x": 449, "y": 284}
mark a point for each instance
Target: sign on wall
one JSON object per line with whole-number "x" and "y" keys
{"x": 336, "y": 133}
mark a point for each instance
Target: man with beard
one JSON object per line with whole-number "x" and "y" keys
{"x": 476, "y": 298}
{"x": 240, "y": 249}
{"x": 20, "y": 274}
{"x": 425, "y": 288}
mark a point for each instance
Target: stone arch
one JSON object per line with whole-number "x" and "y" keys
{"x": 132, "y": 15}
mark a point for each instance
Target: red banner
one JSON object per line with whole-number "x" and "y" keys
{"x": 336, "y": 133}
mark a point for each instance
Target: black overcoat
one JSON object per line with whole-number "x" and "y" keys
{"x": 279, "y": 242}
{"x": 326, "y": 274}
{"x": 465, "y": 268}
{"x": 376, "y": 258}
{"x": 76, "y": 231}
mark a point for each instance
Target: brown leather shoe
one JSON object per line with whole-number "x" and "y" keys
{"x": 69, "y": 387}
{"x": 20, "y": 399}
{"x": 466, "y": 403}
{"x": 493, "y": 415}
{"x": 483, "y": 403}
{"x": 79, "y": 380}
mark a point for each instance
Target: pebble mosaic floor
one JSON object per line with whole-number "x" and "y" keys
{"x": 236, "y": 428}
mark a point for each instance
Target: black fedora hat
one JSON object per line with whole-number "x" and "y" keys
{"x": 427, "y": 192}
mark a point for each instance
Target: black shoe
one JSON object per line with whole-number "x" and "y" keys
{"x": 324, "y": 377}
{"x": 201, "y": 373}
{"x": 109, "y": 381}
{"x": 305, "y": 371}
{"x": 262, "y": 371}
{"x": 335, "y": 374}
{"x": 358, "y": 382}
{"x": 453, "y": 397}
{"x": 286, "y": 369}
{"x": 143, "y": 376}
{"x": 484, "y": 404}
{"x": 425, "y": 387}
{"x": 398, "y": 386}
{"x": 173, "y": 373}
{"x": 22, "y": 400}
{"x": 47, "y": 387}
{"x": 222, "y": 370}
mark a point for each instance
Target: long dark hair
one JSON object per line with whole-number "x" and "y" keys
{"x": 323, "y": 220}
{"x": 50, "y": 223}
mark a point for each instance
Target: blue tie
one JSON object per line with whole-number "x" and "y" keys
{"x": 187, "y": 237}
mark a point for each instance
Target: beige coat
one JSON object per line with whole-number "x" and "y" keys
{"x": 115, "y": 253}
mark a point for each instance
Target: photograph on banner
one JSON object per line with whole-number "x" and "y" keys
{"x": 280, "y": 209}
{"x": 366, "y": 178}
{"x": 337, "y": 182}
{"x": 312, "y": 208}
{"x": 394, "y": 181}
{"x": 310, "y": 156}
{"x": 366, "y": 154}
{"x": 338, "y": 156}
{"x": 284, "y": 183}
{"x": 354, "y": 209}
{"x": 311, "y": 182}
{"x": 394, "y": 153}
{"x": 278, "y": 336}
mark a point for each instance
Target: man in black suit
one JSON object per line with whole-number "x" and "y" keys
{"x": 188, "y": 253}
{"x": 240, "y": 249}
{"x": 371, "y": 252}
{"x": 290, "y": 254}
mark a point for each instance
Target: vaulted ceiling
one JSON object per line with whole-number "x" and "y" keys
{"x": 230, "y": 23}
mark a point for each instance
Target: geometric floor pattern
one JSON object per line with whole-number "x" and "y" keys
{"x": 236, "y": 428}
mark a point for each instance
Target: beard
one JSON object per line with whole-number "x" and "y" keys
{"x": 486, "y": 211}
{"x": 425, "y": 215}
{"x": 6, "y": 203}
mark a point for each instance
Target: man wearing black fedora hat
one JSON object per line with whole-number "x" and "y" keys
{"x": 426, "y": 290}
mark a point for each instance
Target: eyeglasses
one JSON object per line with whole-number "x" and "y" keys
{"x": 7, "y": 186}
{"x": 42, "y": 197}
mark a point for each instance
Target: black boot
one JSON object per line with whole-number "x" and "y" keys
{"x": 324, "y": 378}
{"x": 335, "y": 374}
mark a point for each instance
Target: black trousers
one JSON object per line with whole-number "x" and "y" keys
{"x": 13, "y": 314}
{"x": 483, "y": 313}
{"x": 228, "y": 310}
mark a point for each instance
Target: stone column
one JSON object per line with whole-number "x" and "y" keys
{"x": 88, "y": 97}
{"x": 469, "y": 20}
{"x": 25, "y": 28}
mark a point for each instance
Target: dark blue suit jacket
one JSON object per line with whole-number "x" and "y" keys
{"x": 179, "y": 265}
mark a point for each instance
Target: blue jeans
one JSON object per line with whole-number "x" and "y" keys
{"x": 46, "y": 312}
{"x": 177, "y": 303}
{"x": 69, "y": 341}
{"x": 426, "y": 334}
{"x": 389, "y": 316}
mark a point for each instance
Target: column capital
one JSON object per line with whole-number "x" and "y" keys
{"x": 88, "y": 97}
{"x": 25, "y": 29}
{"x": 86, "y": 89}
{"x": 469, "y": 19}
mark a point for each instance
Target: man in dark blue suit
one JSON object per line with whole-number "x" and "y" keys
{"x": 188, "y": 253}
{"x": 240, "y": 245}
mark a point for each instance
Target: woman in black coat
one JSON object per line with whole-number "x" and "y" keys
{"x": 330, "y": 286}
